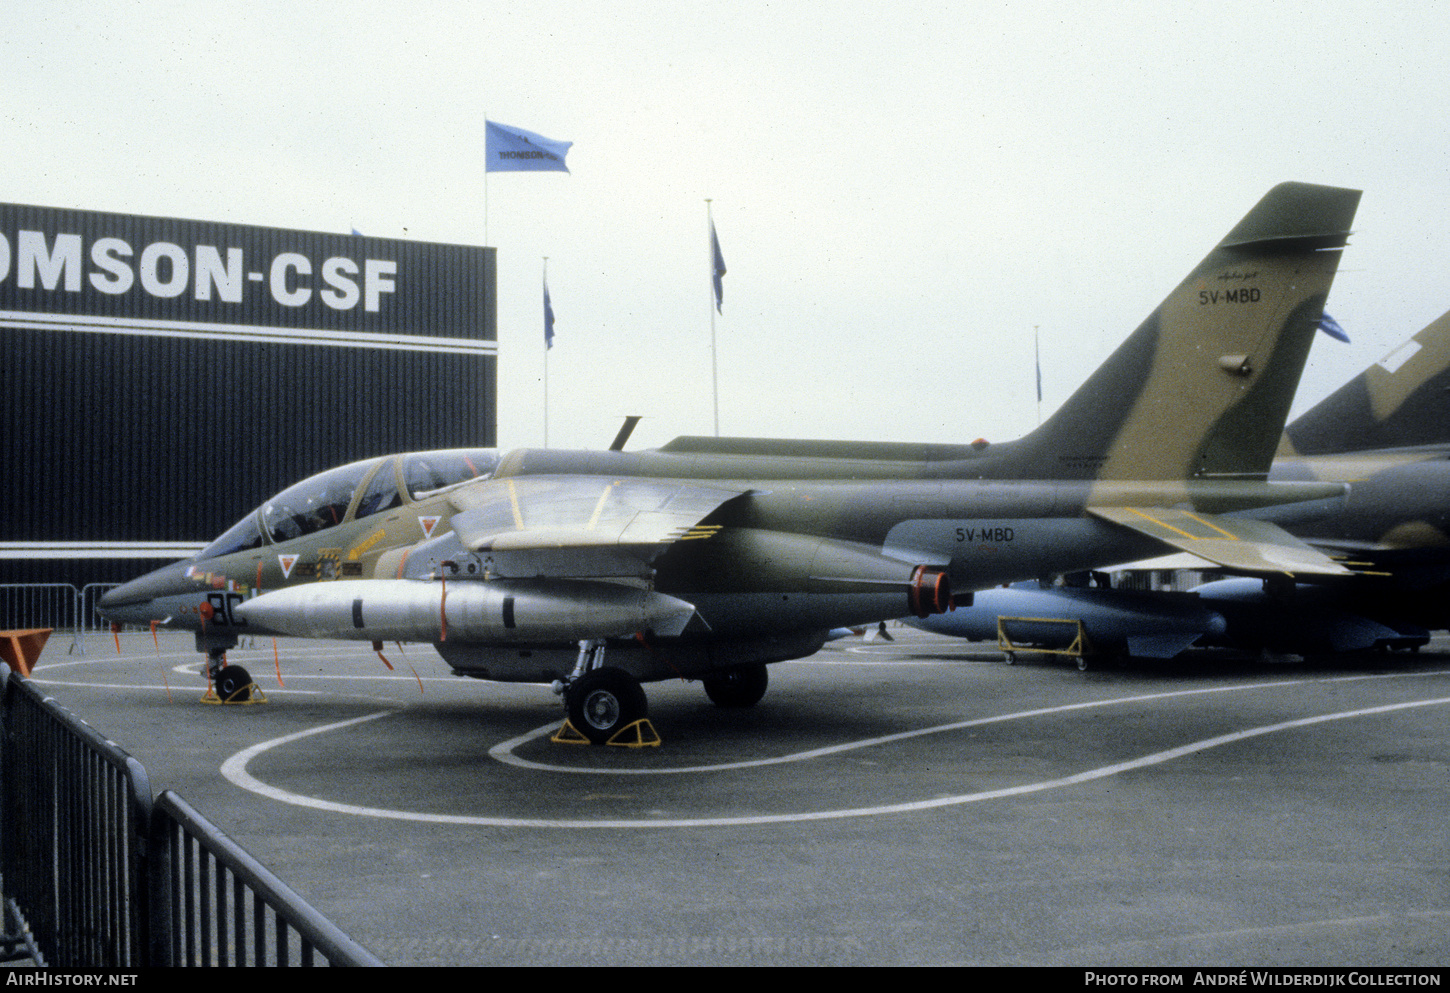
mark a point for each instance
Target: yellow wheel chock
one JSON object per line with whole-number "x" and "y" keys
{"x": 640, "y": 734}
{"x": 249, "y": 694}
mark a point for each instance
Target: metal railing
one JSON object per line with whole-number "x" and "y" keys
{"x": 76, "y": 819}
{"x": 223, "y": 907}
{"x": 41, "y": 605}
{"x": 105, "y": 877}
{"x": 58, "y": 606}
{"x": 87, "y": 617}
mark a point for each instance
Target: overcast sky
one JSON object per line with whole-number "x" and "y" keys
{"x": 902, "y": 191}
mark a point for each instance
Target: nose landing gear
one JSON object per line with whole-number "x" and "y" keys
{"x": 228, "y": 683}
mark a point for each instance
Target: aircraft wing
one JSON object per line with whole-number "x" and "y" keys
{"x": 1245, "y": 546}
{"x": 581, "y": 526}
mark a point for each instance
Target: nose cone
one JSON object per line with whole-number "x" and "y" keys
{"x": 143, "y": 600}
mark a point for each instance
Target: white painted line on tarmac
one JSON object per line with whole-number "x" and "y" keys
{"x": 235, "y": 770}
{"x": 503, "y": 752}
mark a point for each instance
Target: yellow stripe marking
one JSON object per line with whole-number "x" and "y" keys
{"x": 363, "y": 547}
{"x": 1162, "y": 524}
{"x": 700, "y": 531}
{"x": 514, "y": 504}
{"x": 1210, "y": 524}
{"x": 599, "y": 507}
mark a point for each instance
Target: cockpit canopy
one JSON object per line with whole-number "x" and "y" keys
{"x": 352, "y": 492}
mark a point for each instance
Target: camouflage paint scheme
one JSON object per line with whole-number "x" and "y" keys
{"x": 709, "y": 557}
{"x": 1386, "y": 434}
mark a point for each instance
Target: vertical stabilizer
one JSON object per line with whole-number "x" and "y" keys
{"x": 1400, "y": 401}
{"x": 1203, "y": 387}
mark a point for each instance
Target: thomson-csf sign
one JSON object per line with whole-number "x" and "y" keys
{"x": 119, "y": 267}
{"x": 165, "y": 270}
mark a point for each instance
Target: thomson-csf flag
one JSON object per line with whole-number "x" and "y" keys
{"x": 516, "y": 150}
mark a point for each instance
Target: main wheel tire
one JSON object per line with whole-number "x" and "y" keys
{"x": 739, "y": 687}
{"x": 234, "y": 683}
{"x": 604, "y": 701}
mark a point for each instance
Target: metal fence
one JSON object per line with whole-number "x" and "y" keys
{"x": 87, "y": 618}
{"x": 104, "y": 877}
{"x": 76, "y": 816}
{"x": 42, "y": 605}
{"x": 223, "y": 907}
{"x": 58, "y": 606}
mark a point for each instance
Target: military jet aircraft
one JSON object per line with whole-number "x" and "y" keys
{"x": 709, "y": 558}
{"x": 1387, "y": 434}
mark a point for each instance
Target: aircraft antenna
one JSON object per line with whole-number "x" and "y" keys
{"x": 624, "y": 432}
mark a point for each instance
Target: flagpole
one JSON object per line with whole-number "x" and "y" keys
{"x": 546, "y": 360}
{"x": 714, "y": 360}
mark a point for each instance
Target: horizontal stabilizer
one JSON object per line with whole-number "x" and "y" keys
{"x": 1249, "y": 547}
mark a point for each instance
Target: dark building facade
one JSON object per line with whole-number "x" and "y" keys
{"x": 159, "y": 378}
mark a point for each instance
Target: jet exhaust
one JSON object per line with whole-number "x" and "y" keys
{"x": 930, "y": 591}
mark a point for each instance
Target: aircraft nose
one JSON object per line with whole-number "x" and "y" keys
{"x": 132, "y": 601}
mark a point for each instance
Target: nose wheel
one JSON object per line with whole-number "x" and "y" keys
{"x": 229, "y": 683}
{"x": 233, "y": 684}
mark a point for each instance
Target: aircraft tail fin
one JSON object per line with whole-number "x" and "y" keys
{"x": 1203, "y": 387}
{"x": 1400, "y": 401}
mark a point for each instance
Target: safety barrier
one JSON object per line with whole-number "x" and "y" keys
{"x": 40, "y": 605}
{"x": 58, "y": 606}
{"x": 87, "y": 618}
{"x": 223, "y": 907}
{"x": 76, "y": 811}
{"x": 105, "y": 877}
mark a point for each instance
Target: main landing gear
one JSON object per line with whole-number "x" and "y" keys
{"x": 742, "y": 686}
{"x": 602, "y": 701}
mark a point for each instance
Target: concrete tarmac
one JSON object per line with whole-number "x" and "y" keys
{"x": 915, "y": 802}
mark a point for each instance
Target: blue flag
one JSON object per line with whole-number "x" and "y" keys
{"x": 1331, "y": 327}
{"x": 509, "y": 149}
{"x": 719, "y": 269}
{"x": 548, "y": 318}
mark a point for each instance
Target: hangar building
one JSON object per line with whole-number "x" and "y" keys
{"x": 163, "y": 377}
